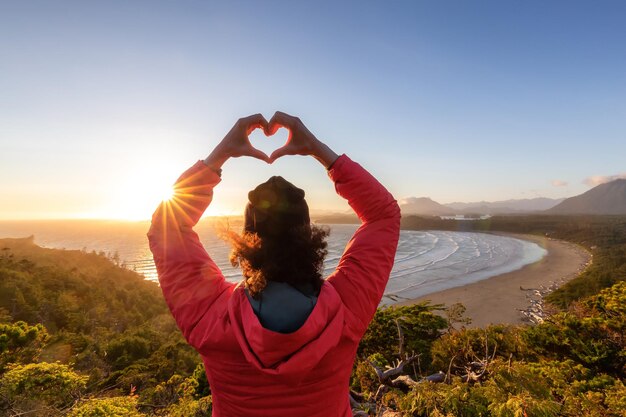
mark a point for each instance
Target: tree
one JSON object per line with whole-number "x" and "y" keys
{"x": 21, "y": 343}
{"x": 41, "y": 388}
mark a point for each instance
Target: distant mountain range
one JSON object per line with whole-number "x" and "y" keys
{"x": 604, "y": 199}
{"x": 426, "y": 207}
{"x": 506, "y": 206}
{"x": 608, "y": 198}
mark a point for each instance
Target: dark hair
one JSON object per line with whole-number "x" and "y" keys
{"x": 295, "y": 257}
{"x": 278, "y": 242}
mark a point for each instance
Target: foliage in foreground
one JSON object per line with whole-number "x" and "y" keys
{"x": 572, "y": 365}
{"x": 110, "y": 407}
{"x": 81, "y": 337}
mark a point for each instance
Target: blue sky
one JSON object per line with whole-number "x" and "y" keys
{"x": 102, "y": 104}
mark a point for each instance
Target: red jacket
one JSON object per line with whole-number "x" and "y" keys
{"x": 254, "y": 371}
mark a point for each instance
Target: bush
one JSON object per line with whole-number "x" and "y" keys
{"x": 456, "y": 349}
{"x": 419, "y": 324}
{"x": 107, "y": 407}
{"x": 590, "y": 333}
{"x": 40, "y": 386}
{"x": 21, "y": 343}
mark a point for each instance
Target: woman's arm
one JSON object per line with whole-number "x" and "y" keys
{"x": 364, "y": 268}
{"x": 191, "y": 282}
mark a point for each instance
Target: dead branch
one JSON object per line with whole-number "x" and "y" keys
{"x": 449, "y": 375}
{"x": 357, "y": 404}
{"x": 384, "y": 377}
{"x": 400, "y": 340}
{"x": 436, "y": 378}
{"x": 403, "y": 381}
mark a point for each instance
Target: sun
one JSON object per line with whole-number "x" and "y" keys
{"x": 137, "y": 194}
{"x": 166, "y": 193}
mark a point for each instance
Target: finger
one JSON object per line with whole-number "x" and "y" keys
{"x": 254, "y": 121}
{"x": 255, "y": 153}
{"x": 278, "y": 120}
{"x": 285, "y": 116}
{"x": 285, "y": 150}
{"x": 272, "y": 126}
{"x": 251, "y": 128}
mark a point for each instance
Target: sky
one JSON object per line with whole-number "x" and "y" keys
{"x": 104, "y": 104}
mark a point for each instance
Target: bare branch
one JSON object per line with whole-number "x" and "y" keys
{"x": 403, "y": 381}
{"x": 400, "y": 339}
{"x": 385, "y": 376}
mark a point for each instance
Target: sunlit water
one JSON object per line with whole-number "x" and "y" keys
{"x": 426, "y": 261}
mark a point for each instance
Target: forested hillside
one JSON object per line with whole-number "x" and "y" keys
{"x": 78, "y": 320}
{"x": 82, "y": 336}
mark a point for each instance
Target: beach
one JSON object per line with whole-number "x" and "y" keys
{"x": 502, "y": 299}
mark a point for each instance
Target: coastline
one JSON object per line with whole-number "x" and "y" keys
{"x": 504, "y": 298}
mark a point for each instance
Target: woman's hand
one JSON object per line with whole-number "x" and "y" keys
{"x": 236, "y": 142}
{"x": 300, "y": 141}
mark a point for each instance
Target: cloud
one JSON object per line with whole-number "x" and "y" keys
{"x": 559, "y": 183}
{"x": 601, "y": 179}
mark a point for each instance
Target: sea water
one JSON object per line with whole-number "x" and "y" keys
{"x": 426, "y": 261}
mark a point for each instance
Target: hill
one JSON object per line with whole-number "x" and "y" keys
{"x": 605, "y": 199}
{"x": 337, "y": 219}
{"x": 109, "y": 323}
{"x": 423, "y": 206}
{"x": 505, "y": 206}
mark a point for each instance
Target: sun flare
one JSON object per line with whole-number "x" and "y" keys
{"x": 137, "y": 194}
{"x": 166, "y": 193}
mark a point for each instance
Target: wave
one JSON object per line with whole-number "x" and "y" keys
{"x": 425, "y": 262}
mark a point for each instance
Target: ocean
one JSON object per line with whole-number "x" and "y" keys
{"x": 426, "y": 261}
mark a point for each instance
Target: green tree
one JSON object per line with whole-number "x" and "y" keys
{"x": 39, "y": 388}
{"x": 21, "y": 343}
{"x": 419, "y": 324}
{"x": 591, "y": 333}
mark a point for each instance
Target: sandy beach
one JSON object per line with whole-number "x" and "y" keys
{"x": 501, "y": 299}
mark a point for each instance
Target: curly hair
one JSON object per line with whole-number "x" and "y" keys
{"x": 295, "y": 257}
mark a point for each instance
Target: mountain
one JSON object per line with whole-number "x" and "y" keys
{"x": 607, "y": 198}
{"x": 424, "y": 206}
{"x": 336, "y": 218}
{"x": 505, "y": 206}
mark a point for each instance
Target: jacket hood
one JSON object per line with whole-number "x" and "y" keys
{"x": 289, "y": 356}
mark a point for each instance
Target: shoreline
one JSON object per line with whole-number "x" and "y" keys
{"x": 515, "y": 297}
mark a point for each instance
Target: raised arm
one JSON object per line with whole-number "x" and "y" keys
{"x": 363, "y": 271}
{"x": 191, "y": 282}
{"x": 364, "y": 267}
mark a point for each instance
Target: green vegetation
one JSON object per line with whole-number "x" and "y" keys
{"x": 81, "y": 336}
{"x": 572, "y": 365}
{"x": 77, "y": 320}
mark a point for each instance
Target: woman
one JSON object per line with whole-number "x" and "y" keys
{"x": 275, "y": 345}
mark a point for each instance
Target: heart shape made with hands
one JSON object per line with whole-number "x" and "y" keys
{"x": 267, "y": 143}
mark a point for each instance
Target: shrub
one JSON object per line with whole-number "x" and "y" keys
{"x": 21, "y": 343}
{"x": 107, "y": 407}
{"x": 420, "y": 325}
{"x": 40, "y": 385}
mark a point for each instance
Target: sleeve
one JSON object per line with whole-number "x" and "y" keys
{"x": 191, "y": 282}
{"x": 364, "y": 268}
